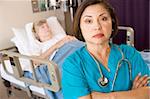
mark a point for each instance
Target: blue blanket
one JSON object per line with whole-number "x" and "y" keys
{"x": 42, "y": 71}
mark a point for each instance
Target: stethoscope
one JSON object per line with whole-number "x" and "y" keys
{"x": 103, "y": 81}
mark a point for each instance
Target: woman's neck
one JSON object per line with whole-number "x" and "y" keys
{"x": 100, "y": 50}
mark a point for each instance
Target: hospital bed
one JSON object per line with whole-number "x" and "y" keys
{"x": 11, "y": 62}
{"x": 11, "y": 69}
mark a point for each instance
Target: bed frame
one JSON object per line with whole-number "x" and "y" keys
{"x": 13, "y": 57}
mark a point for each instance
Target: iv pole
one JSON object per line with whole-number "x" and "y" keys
{"x": 69, "y": 14}
{"x": 69, "y": 8}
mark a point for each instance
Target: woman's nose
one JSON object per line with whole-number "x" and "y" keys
{"x": 98, "y": 25}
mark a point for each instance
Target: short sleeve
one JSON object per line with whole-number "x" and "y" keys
{"x": 139, "y": 65}
{"x": 74, "y": 84}
{"x": 137, "y": 62}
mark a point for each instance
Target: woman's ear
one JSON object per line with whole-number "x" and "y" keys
{"x": 113, "y": 21}
{"x": 113, "y": 24}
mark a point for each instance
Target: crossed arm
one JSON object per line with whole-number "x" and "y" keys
{"x": 139, "y": 91}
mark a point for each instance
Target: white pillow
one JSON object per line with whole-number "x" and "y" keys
{"x": 55, "y": 25}
{"x": 20, "y": 39}
{"x": 21, "y": 42}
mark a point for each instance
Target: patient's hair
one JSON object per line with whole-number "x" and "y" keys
{"x": 76, "y": 22}
{"x": 36, "y": 26}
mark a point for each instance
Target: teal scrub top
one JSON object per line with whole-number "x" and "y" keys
{"x": 80, "y": 73}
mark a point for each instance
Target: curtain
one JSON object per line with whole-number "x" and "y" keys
{"x": 134, "y": 13}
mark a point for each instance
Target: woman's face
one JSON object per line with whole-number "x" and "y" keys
{"x": 96, "y": 24}
{"x": 44, "y": 32}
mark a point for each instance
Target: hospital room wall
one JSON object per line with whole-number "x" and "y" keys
{"x": 16, "y": 13}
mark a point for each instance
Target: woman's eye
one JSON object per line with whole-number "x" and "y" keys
{"x": 104, "y": 18}
{"x": 88, "y": 21}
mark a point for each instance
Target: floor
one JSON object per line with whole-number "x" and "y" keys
{"x": 16, "y": 94}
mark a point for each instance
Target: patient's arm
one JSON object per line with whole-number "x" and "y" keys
{"x": 48, "y": 52}
{"x": 60, "y": 43}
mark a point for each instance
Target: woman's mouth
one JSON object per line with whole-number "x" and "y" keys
{"x": 98, "y": 35}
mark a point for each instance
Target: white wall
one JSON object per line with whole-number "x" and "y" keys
{"x": 16, "y": 13}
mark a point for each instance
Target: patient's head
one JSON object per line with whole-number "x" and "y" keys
{"x": 41, "y": 30}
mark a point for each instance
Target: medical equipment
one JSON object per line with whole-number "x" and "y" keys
{"x": 103, "y": 81}
{"x": 130, "y": 35}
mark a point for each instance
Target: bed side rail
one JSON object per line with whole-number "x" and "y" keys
{"x": 18, "y": 72}
{"x": 130, "y": 34}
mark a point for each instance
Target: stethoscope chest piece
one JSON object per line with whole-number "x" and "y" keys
{"x": 103, "y": 81}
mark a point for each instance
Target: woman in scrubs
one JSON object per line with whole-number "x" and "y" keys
{"x": 91, "y": 71}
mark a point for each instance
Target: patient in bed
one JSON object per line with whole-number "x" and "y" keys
{"x": 54, "y": 47}
{"x": 44, "y": 36}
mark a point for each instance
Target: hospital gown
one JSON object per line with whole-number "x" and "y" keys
{"x": 42, "y": 71}
{"x": 80, "y": 72}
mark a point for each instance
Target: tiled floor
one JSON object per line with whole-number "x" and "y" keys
{"x": 16, "y": 94}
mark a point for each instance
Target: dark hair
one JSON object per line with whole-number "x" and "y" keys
{"x": 76, "y": 22}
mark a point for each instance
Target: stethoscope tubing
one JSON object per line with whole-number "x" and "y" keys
{"x": 119, "y": 65}
{"x": 117, "y": 69}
